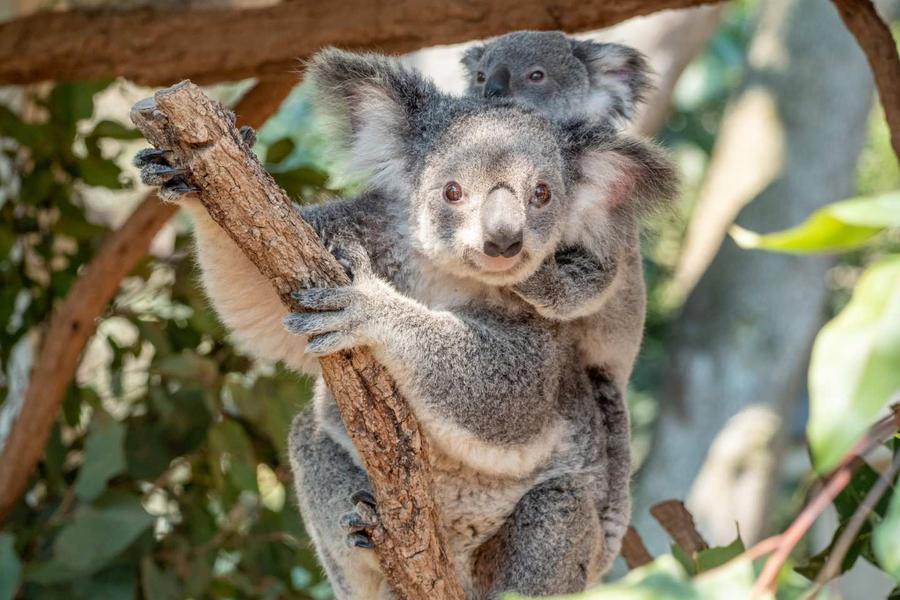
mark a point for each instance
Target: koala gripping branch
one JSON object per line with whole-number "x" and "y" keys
{"x": 258, "y": 215}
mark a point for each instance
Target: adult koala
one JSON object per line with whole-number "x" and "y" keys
{"x": 518, "y": 439}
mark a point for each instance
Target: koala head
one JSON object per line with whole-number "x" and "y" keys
{"x": 559, "y": 75}
{"x": 485, "y": 188}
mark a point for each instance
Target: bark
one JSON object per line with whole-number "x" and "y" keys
{"x": 875, "y": 39}
{"x": 258, "y": 215}
{"x": 157, "y": 47}
{"x": 789, "y": 142}
{"x": 74, "y": 321}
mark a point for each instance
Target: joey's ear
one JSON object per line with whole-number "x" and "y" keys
{"x": 619, "y": 76}
{"x": 470, "y": 59}
{"x": 625, "y": 174}
{"x": 373, "y": 107}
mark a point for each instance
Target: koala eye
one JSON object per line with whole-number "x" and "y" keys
{"x": 452, "y": 192}
{"x": 536, "y": 75}
{"x": 541, "y": 196}
{"x": 479, "y": 77}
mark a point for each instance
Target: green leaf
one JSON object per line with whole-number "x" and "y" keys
{"x": 94, "y": 537}
{"x": 104, "y": 458}
{"x": 97, "y": 171}
{"x": 10, "y": 567}
{"x": 279, "y": 150}
{"x": 886, "y": 539}
{"x": 838, "y": 227}
{"x": 114, "y": 130}
{"x": 853, "y": 370}
{"x": 719, "y": 555}
{"x": 71, "y": 102}
{"x": 158, "y": 584}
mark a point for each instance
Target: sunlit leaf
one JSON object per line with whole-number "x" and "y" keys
{"x": 886, "y": 539}
{"x": 836, "y": 227}
{"x": 104, "y": 458}
{"x": 719, "y": 555}
{"x": 853, "y": 370}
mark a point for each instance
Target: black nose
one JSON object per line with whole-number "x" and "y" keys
{"x": 497, "y": 84}
{"x": 504, "y": 244}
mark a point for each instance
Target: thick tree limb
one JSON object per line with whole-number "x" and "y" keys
{"x": 74, "y": 321}
{"x": 880, "y": 49}
{"x": 258, "y": 215}
{"x": 156, "y": 47}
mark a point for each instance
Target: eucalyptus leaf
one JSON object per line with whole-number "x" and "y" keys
{"x": 10, "y": 567}
{"x": 104, "y": 458}
{"x": 886, "y": 539}
{"x": 837, "y": 227}
{"x": 853, "y": 371}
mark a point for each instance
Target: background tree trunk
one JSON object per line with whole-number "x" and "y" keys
{"x": 789, "y": 142}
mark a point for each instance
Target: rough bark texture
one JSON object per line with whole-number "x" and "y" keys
{"x": 258, "y": 215}
{"x": 876, "y": 40}
{"x": 157, "y": 47}
{"x": 74, "y": 321}
{"x": 744, "y": 336}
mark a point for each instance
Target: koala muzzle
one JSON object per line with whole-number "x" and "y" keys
{"x": 504, "y": 244}
{"x": 497, "y": 84}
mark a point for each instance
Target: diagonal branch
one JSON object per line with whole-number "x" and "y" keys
{"x": 74, "y": 320}
{"x": 258, "y": 215}
{"x": 159, "y": 46}
{"x": 878, "y": 44}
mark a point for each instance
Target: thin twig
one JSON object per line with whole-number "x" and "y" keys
{"x": 856, "y": 522}
{"x": 837, "y": 481}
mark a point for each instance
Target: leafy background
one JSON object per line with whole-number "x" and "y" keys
{"x": 166, "y": 477}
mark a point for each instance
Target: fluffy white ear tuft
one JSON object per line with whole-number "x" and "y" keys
{"x": 619, "y": 77}
{"x": 376, "y": 148}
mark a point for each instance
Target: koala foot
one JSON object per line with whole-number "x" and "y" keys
{"x": 157, "y": 170}
{"x": 359, "y": 522}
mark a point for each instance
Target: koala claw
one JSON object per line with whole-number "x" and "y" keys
{"x": 248, "y": 134}
{"x": 360, "y": 521}
{"x": 323, "y": 299}
{"x": 151, "y": 156}
{"x": 329, "y": 343}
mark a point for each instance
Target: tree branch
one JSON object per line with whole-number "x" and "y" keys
{"x": 156, "y": 47}
{"x": 258, "y": 215}
{"x": 74, "y": 321}
{"x": 880, "y": 49}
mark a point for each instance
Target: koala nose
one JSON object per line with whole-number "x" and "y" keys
{"x": 505, "y": 244}
{"x": 497, "y": 84}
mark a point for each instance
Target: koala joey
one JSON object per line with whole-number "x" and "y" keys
{"x": 603, "y": 82}
{"x": 515, "y": 422}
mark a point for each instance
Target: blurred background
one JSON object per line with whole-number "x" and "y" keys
{"x": 164, "y": 474}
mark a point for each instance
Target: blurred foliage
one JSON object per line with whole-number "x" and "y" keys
{"x": 166, "y": 476}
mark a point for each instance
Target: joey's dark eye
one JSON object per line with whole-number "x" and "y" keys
{"x": 479, "y": 77}
{"x": 536, "y": 75}
{"x": 542, "y": 195}
{"x": 452, "y": 192}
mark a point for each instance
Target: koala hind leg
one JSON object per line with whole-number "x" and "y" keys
{"x": 551, "y": 544}
{"x": 330, "y": 486}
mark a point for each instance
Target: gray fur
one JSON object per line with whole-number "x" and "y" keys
{"x": 518, "y": 425}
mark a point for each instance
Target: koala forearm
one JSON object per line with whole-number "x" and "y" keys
{"x": 572, "y": 284}
{"x": 242, "y": 297}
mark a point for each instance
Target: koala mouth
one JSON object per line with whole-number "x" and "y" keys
{"x": 495, "y": 265}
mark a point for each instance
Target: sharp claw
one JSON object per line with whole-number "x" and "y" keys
{"x": 363, "y": 496}
{"x": 151, "y": 156}
{"x": 157, "y": 174}
{"x": 360, "y": 539}
{"x": 248, "y": 135}
{"x": 172, "y": 190}
{"x": 355, "y": 522}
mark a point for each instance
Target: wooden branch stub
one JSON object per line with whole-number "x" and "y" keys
{"x": 258, "y": 215}
{"x": 634, "y": 551}
{"x": 679, "y": 524}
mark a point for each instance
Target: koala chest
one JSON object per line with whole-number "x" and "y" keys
{"x": 473, "y": 507}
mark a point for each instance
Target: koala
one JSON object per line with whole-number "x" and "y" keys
{"x": 516, "y": 424}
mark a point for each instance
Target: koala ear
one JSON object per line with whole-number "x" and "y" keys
{"x": 621, "y": 174}
{"x": 470, "y": 59}
{"x": 619, "y": 76}
{"x": 372, "y": 106}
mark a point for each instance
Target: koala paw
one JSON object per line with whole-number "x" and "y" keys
{"x": 248, "y": 135}
{"x": 341, "y": 318}
{"x": 157, "y": 170}
{"x": 359, "y": 522}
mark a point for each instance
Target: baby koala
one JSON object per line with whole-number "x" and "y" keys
{"x": 566, "y": 79}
